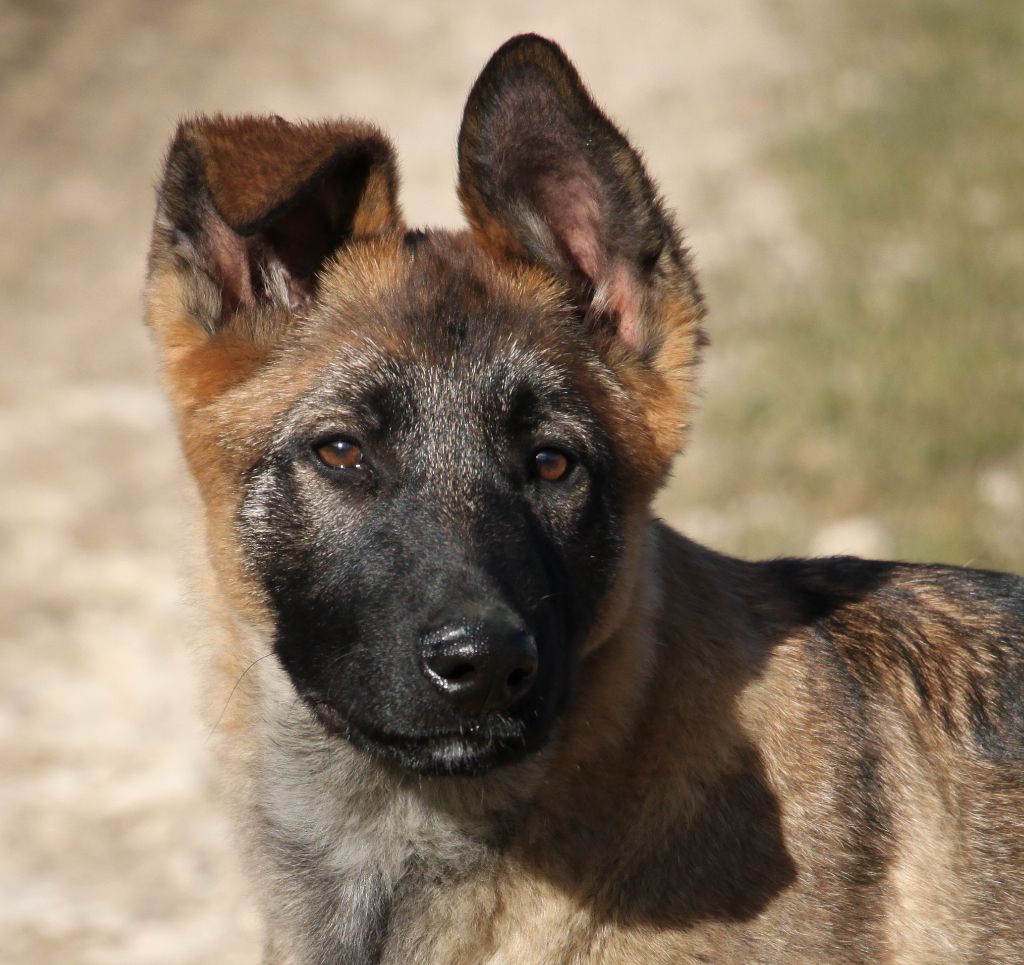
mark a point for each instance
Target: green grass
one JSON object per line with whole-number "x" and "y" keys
{"x": 890, "y": 384}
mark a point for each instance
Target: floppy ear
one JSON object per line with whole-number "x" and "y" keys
{"x": 257, "y": 205}
{"x": 248, "y": 212}
{"x": 545, "y": 177}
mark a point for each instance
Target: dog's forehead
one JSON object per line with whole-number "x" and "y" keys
{"x": 426, "y": 394}
{"x": 435, "y": 314}
{"x": 434, "y": 293}
{"x": 426, "y": 344}
{"x": 423, "y": 341}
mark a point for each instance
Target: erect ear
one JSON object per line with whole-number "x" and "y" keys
{"x": 545, "y": 177}
{"x": 257, "y": 205}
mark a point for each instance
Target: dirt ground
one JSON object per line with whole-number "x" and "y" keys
{"x": 114, "y": 851}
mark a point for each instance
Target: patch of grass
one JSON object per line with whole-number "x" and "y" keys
{"x": 889, "y": 383}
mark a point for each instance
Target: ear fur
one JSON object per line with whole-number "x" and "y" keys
{"x": 257, "y": 205}
{"x": 546, "y": 177}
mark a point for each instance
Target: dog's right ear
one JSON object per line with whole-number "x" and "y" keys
{"x": 248, "y": 212}
{"x": 547, "y": 179}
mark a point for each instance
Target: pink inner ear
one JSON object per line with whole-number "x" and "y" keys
{"x": 570, "y": 204}
{"x": 231, "y": 258}
{"x": 622, "y": 295}
{"x": 277, "y": 263}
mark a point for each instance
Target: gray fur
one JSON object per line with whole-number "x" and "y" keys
{"x": 345, "y": 845}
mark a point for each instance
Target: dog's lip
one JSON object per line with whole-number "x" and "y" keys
{"x": 482, "y": 732}
{"x": 326, "y": 713}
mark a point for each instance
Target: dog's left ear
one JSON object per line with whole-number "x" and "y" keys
{"x": 545, "y": 177}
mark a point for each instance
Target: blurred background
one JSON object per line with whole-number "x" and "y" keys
{"x": 851, "y": 175}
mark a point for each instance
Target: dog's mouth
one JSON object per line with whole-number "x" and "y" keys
{"x": 475, "y": 747}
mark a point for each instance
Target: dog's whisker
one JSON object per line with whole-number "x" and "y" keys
{"x": 227, "y": 702}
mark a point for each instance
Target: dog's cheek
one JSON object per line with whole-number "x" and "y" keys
{"x": 347, "y": 588}
{"x": 583, "y": 527}
{"x": 277, "y": 525}
{"x": 597, "y": 550}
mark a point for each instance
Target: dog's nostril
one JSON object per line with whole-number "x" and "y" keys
{"x": 459, "y": 671}
{"x": 450, "y": 666}
{"x": 518, "y": 676}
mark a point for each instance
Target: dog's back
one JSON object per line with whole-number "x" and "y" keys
{"x": 480, "y": 705}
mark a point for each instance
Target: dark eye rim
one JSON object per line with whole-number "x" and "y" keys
{"x": 361, "y": 468}
{"x": 572, "y": 464}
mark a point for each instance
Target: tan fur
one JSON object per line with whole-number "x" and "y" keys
{"x": 253, "y": 167}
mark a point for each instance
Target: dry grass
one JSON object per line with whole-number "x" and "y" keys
{"x": 880, "y": 399}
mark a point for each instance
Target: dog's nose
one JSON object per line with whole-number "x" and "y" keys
{"x": 480, "y": 667}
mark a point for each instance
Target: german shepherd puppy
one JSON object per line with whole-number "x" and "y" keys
{"x": 488, "y": 709}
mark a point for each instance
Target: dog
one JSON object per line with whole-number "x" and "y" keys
{"x": 484, "y": 706}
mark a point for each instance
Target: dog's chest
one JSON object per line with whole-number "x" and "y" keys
{"x": 352, "y": 852}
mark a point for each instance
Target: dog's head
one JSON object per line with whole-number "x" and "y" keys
{"x": 426, "y": 457}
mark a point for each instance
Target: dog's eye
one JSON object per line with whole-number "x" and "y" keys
{"x": 340, "y": 454}
{"x": 551, "y": 465}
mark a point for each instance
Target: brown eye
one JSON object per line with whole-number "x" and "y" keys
{"x": 551, "y": 465}
{"x": 340, "y": 454}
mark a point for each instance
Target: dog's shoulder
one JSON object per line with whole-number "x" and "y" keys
{"x": 823, "y": 587}
{"x": 945, "y": 642}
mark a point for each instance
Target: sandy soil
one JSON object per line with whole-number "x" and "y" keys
{"x": 114, "y": 851}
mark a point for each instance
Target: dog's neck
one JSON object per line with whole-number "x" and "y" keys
{"x": 671, "y": 675}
